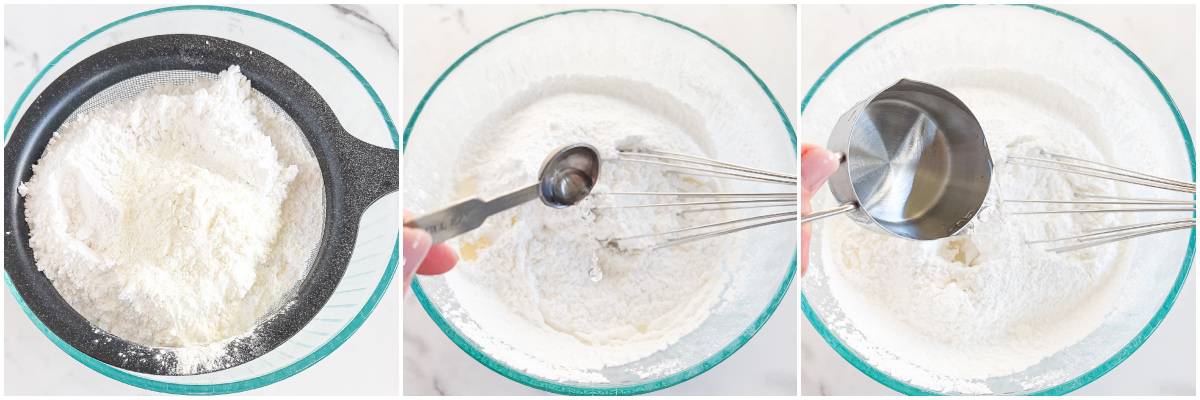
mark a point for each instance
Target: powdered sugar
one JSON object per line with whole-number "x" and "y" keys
{"x": 525, "y": 276}
{"x": 973, "y": 314}
{"x": 983, "y": 304}
{"x": 178, "y": 218}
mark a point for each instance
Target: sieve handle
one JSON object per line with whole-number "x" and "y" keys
{"x": 368, "y": 171}
{"x": 814, "y": 216}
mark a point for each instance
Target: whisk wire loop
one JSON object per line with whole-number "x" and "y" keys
{"x": 1104, "y": 171}
{"x": 700, "y": 202}
{"x": 701, "y": 166}
{"x": 1093, "y": 203}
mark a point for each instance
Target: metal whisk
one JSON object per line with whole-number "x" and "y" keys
{"x": 1104, "y": 203}
{"x": 702, "y": 202}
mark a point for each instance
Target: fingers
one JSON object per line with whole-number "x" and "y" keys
{"x": 416, "y": 246}
{"x": 816, "y": 165}
{"x": 805, "y": 234}
{"x": 434, "y": 259}
{"x": 441, "y": 258}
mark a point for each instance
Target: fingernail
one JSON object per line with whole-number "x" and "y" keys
{"x": 816, "y": 168}
{"x": 416, "y": 245}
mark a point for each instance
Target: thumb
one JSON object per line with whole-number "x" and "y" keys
{"x": 816, "y": 165}
{"x": 416, "y": 245}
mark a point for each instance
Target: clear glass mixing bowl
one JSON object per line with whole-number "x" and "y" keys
{"x": 747, "y": 125}
{"x": 1160, "y": 262}
{"x": 358, "y": 108}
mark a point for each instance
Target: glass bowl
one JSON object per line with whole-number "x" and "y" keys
{"x": 639, "y": 47}
{"x": 1160, "y": 262}
{"x": 359, "y": 110}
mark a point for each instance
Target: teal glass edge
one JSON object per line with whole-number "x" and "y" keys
{"x": 1129, "y": 348}
{"x": 669, "y": 380}
{"x": 277, "y": 375}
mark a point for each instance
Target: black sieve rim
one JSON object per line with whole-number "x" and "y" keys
{"x": 354, "y": 175}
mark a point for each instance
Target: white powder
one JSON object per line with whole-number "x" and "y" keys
{"x": 524, "y": 280}
{"x": 954, "y": 314}
{"x": 178, "y": 218}
{"x": 984, "y": 304}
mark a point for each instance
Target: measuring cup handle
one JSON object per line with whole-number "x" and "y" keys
{"x": 804, "y": 219}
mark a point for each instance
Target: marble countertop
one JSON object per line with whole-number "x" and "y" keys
{"x": 763, "y": 36}
{"x": 1166, "y": 363}
{"x": 364, "y": 364}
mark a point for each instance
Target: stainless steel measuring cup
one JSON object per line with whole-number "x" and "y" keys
{"x": 914, "y": 163}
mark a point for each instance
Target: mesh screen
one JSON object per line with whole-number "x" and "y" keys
{"x": 132, "y": 87}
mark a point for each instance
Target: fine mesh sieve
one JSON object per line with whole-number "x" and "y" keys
{"x": 130, "y": 88}
{"x": 354, "y": 174}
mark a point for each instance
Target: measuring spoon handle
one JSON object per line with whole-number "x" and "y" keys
{"x": 468, "y": 214}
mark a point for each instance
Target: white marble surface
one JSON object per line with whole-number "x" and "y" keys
{"x": 367, "y": 362}
{"x": 763, "y": 36}
{"x": 1164, "y": 37}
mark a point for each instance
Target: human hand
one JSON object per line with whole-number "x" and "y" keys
{"x": 423, "y": 257}
{"x": 816, "y": 165}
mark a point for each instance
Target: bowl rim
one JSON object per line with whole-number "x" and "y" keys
{"x": 278, "y": 374}
{"x": 661, "y": 383}
{"x": 1129, "y": 348}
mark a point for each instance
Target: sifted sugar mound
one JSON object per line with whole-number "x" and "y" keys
{"x": 162, "y": 219}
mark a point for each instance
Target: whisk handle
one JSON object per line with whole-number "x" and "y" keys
{"x": 804, "y": 219}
